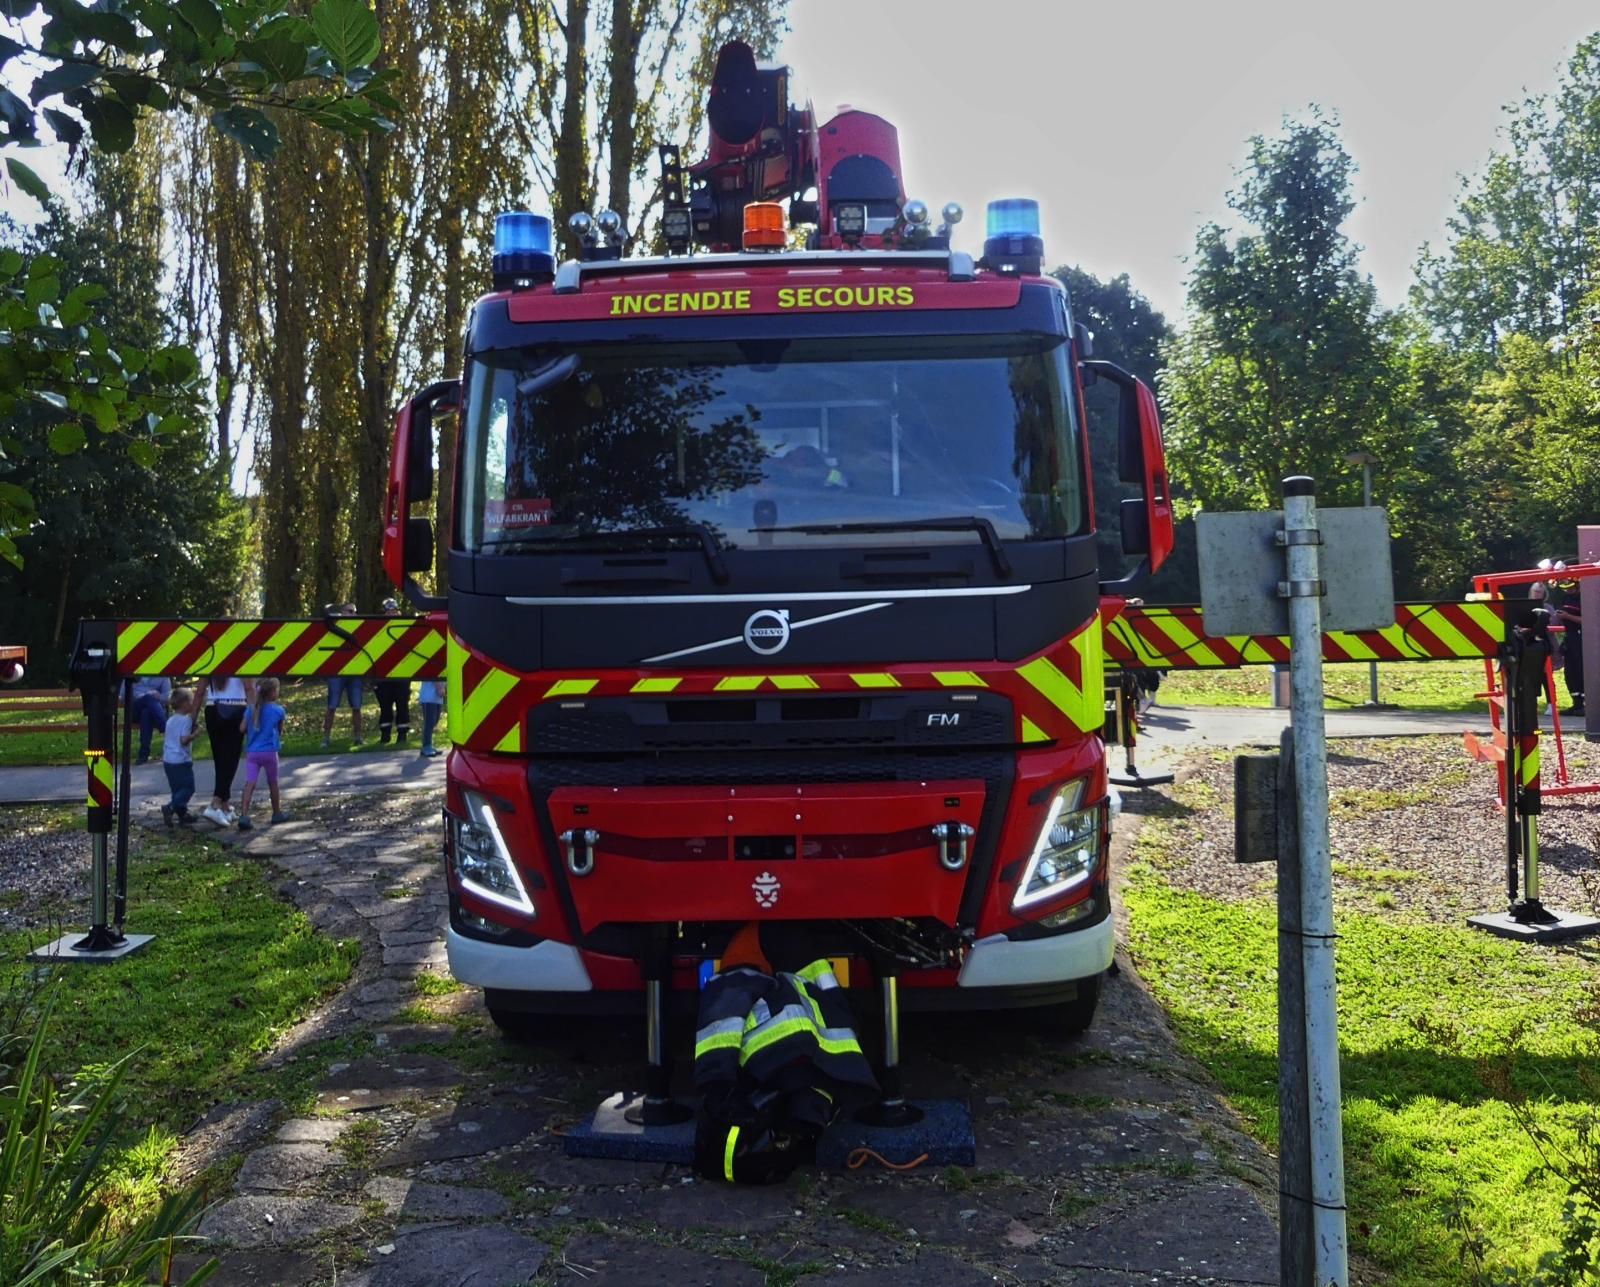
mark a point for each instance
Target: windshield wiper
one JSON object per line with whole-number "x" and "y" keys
{"x": 963, "y": 523}
{"x": 549, "y": 375}
{"x": 688, "y": 531}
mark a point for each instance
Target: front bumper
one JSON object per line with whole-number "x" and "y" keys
{"x": 547, "y": 966}
{"x": 998, "y": 962}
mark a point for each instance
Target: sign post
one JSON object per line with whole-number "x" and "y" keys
{"x": 1300, "y": 572}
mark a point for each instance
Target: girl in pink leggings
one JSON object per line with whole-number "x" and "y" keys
{"x": 263, "y": 726}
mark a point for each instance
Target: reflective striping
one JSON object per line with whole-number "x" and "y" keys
{"x": 739, "y": 683}
{"x": 661, "y": 684}
{"x": 1031, "y": 732}
{"x": 792, "y": 682}
{"x": 1175, "y": 638}
{"x": 876, "y": 681}
{"x": 100, "y": 781}
{"x": 480, "y": 703}
{"x": 727, "y": 1153}
{"x": 378, "y": 646}
{"x": 960, "y": 679}
{"x": 571, "y": 687}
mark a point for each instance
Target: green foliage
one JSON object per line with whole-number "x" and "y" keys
{"x": 122, "y": 520}
{"x": 103, "y": 69}
{"x": 1285, "y": 365}
{"x": 56, "y": 1228}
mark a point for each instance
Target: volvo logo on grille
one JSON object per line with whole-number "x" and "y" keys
{"x": 767, "y": 631}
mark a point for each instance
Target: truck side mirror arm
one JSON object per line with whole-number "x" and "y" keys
{"x": 407, "y": 541}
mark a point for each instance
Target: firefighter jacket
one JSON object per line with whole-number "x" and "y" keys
{"x": 784, "y": 1032}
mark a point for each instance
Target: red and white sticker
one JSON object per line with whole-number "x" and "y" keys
{"x": 516, "y": 515}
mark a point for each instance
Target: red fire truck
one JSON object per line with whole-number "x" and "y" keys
{"x": 773, "y": 590}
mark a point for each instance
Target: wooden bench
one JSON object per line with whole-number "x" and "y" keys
{"x": 28, "y": 700}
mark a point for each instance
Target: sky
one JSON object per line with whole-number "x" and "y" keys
{"x": 1127, "y": 122}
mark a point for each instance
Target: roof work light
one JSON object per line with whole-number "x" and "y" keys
{"x": 764, "y": 226}
{"x": 522, "y": 249}
{"x": 1013, "y": 244}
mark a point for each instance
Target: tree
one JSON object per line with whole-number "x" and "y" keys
{"x": 104, "y": 67}
{"x": 1130, "y": 332}
{"x": 1285, "y": 365}
{"x": 1525, "y": 238}
{"x": 118, "y": 533}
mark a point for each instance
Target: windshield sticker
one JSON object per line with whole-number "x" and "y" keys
{"x": 516, "y": 515}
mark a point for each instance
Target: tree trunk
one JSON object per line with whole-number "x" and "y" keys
{"x": 452, "y": 318}
{"x": 622, "y": 65}
{"x": 282, "y": 490}
{"x": 61, "y": 599}
{"x": 572, "y": 142}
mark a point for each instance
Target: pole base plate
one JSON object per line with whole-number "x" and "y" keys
{"x": 891, "y": 1113}
{"x": 1561, "y": 927}
{"x": 1141, "y": 779}
{"x": 657, "y": 1112}
{"x": 65, "y": 949}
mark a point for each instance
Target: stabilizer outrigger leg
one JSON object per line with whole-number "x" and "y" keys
{"x": 1122, "y": 719}
{"x": 892, "y": 1109}
{"x": 658, "y": 1108}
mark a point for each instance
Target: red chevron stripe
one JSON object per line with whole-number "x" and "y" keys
{"x": 158, "y": 635}
{"x": 503, "y": 718}
{"x": 245, "y": 653}
{"x": 1457, "y": 616}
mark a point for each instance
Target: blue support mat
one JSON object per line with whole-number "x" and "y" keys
{"x": 944, "y": 1134}
{"x": 607, "y": 1133}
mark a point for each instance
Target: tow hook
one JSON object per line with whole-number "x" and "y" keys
{"x": 952, "y": 858}
{"x": 580, "y": 850}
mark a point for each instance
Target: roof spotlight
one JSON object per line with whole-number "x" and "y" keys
{"x": 916, "y": 213}
{"x": 850, "y": 221}
{"x": 951, "y": 213}
{"x": 609, "y": 222}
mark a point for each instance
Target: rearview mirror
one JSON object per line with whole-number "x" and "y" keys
{"x": 1141, "y": 462}
{"x": 411, "y": 481}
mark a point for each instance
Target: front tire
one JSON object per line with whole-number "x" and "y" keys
{"x": 1071, "y": 1018}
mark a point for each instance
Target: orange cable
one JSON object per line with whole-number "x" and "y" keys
{"x": 858, "y": 1158}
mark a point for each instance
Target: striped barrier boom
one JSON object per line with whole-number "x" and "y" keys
{"x": 1175, "y": 638}
{"x": 380, "y": 647}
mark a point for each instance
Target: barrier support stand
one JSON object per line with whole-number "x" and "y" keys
{"x": 1523, "y": 657}
{"x": 93, "y": 674}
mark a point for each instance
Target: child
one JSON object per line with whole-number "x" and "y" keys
{"x": 262, "y": 724}
{"x": 430, "y": 696}
{"x": 177, "y": 759}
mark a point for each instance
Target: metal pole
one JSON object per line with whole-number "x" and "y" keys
{"x": 1303, "y": 591}
{"x": 1366, "y": 501}
{"x": 1295, "y": 1210}
{"x": 124, "y": 794}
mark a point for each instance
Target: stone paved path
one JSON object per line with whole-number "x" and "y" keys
{"x": 431, "y": 1156}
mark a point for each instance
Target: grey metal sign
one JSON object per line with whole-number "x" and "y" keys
{"x": 1242, "y": 567}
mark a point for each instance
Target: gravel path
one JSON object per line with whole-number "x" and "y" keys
{"x": 1414, "y": 825}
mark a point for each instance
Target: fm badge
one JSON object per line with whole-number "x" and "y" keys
{"x": 766, "y": 886}
{"x": 767, "y": 631}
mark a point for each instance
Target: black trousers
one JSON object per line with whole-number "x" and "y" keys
{"x": 227, "y": 744}
{"x": 394, "y": 708}
{"x": 1572, "y": 646}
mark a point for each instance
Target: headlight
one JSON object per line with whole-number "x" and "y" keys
{"x": 1066, "y": 851}
{"x": 481, "y": 859}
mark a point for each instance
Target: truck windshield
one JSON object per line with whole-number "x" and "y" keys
{"x": 576, "y": 445}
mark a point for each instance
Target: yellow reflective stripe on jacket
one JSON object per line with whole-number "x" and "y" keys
{"x": 819, "y": 973}
{"x": 727, "y": 1153}
{"x": 724, "y": 1034}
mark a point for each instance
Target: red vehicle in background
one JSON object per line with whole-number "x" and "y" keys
{"x": 773, "y": 591}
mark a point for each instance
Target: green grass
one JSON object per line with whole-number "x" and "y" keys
{"x": 1413, "y": 685}
{"x": 305, "y": 700}
{"x": 232, "y": 966}
{"x": 1419, "y": 1005}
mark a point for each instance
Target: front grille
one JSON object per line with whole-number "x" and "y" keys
{"x": 608, "y": 726}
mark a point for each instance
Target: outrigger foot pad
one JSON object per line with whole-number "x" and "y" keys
{"x": 941, "y": 1137}
{"x": 1555, "y": 927}
{"x": 1141, "y": 779}
{"x": 611, "y": 1131}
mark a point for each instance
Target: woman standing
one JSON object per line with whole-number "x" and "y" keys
{"x": 224, "y": 698}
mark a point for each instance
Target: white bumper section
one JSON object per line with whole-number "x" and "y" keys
{"x": 545, "y": 967}
{"x": 997, "y": 962}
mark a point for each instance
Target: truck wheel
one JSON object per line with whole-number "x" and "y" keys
{"x": 516, "y": 1026}
{"x": 1071, "y": 1017}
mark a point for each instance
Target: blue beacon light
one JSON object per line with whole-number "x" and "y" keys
{"x": 1012, "y": 243}
{"x": 522, "y": 253}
